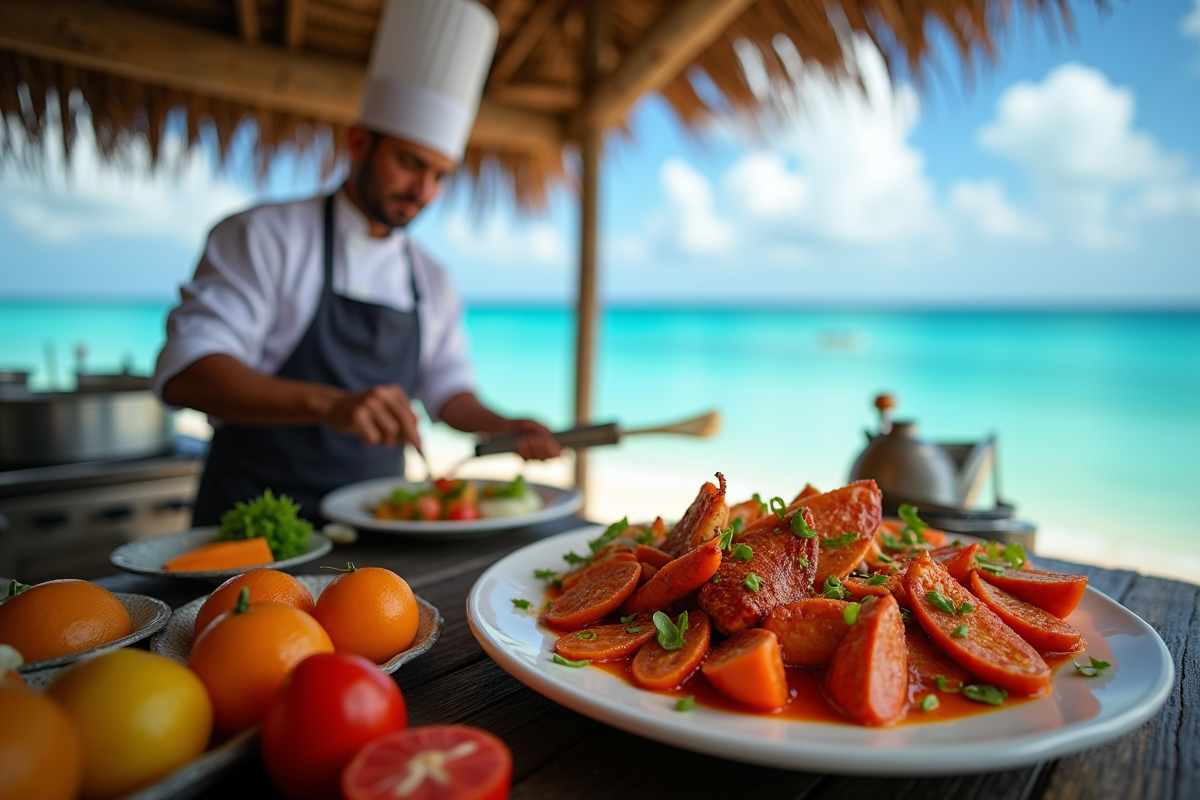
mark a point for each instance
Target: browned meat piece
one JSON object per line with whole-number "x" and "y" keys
{"x": 704, "y": 519}
{"x": 854, "y": 509}
{"x": 782, "y": 565}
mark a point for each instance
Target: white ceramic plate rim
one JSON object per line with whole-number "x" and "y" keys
{"x": 349, "y": 505}
{"x": 162, "y": 613}
{"x": 136, "y": 556}
{"x": 1026, "y": 733}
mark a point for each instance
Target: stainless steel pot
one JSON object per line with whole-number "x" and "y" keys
{"x": 97, "y": 423}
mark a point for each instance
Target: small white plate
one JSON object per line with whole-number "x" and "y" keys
{"x": 1078, "y": 713}
{"x": 352, "y": 505}
{"x": 147, "y": 556}
{"x": 175, "y": 640}
{"x": 146, "y": 616}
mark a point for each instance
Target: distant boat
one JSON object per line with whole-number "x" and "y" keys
{"x": 848, "y": 340}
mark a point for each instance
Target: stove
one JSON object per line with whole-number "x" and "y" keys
{"x": 63, "y": 521}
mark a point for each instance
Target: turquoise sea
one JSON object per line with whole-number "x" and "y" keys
{"x": 1097, "y": 414}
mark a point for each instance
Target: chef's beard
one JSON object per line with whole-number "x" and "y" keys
{"x": 372, "y": 199}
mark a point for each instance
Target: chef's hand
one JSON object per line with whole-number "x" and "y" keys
{"x": 536, "y": 441}
{"x": 379, "y": 415}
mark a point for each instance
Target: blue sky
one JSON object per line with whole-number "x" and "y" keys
{"x": 1068, "y": 174}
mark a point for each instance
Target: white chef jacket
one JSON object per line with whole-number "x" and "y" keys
{"x": 258, "y": 283}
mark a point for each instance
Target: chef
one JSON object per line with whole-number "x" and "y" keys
{"x": 310, "y": 327}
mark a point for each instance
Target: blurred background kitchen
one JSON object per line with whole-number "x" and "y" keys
{"x": 1009, "y": 250}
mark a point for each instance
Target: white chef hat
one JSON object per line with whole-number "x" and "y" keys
{"x": 428, "y": 65}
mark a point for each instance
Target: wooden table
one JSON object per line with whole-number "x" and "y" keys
{"x": 561, "y": 754}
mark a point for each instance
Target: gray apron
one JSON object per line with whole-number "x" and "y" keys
{"x": 350, "y": 344}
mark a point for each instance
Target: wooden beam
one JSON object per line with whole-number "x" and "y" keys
{"x": 145, "y": 48}
{"x": 295, "y": 19}
{"x": 247, "y": 17}
{"x": 527, "y": 36}
{"x": 588, "y": 305}
{"x": 666, "y": 49}
{"x": 550, "y": 97}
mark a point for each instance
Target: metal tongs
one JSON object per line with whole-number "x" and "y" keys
{"x": 606, "y": 433}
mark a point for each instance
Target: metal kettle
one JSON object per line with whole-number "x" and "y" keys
{"x": 943, "y": 480}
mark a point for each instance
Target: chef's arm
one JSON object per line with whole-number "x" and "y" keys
{"x": 464, "y": 412}
{"x": 225, "y": 388}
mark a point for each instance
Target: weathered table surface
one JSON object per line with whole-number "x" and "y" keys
{"x": 561, "y": 754}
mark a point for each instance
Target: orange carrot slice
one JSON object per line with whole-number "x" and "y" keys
{"x": 926, "y": 663}
{"x": 1054, "y": 592}
{"x": 749, "y": 668}
{"x": 223, "y": 555}
{"x": 860, "y": 588}
{"x": 1046, "y": 632}
{"x": 809, "y": 631}
{"x": 606, "y": 642}
{"x": 571, "y": 579}
{"x": 652, "y": 555}
{"x": 841, "y": 560}
{"x": 868, "y": 677}
{"x": 676, "y": 579}
{"x": 608, "y": 584}
{"x": 978, "y": 640}
{"x": 657, "y": 668}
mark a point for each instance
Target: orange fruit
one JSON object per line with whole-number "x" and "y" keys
{"x": 245, "y": 654}
{"x": 370, "y": 612}
{"x": 40, "y": 752}
{"x": 266, "y": 586}
{"x": 61, "y": 617}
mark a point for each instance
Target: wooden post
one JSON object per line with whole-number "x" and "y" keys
{"x": 591, "y": 141}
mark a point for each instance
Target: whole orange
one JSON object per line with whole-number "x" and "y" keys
{"x": 245, "y": 654}
{"x": 61, "y": 617}
{"x": 40, "y": 752}
{"x": 369, "y": 611}
{"x": 266, "y": 585}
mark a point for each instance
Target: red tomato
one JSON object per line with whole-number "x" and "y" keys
{"x": 411, "y": 764}
{"x": 461, "y": 510}
{"x": 329, "y": 707}
{"x": 445, "y": 486}
{"x": 428, "y": 507}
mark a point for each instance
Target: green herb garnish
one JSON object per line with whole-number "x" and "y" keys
{"x": 519, "y": 603}
{"x": 840, "y": 541}
{"x": 834, "y": 590}
{"x": 930, "y": 702}
{"x": 612, "y": 532}
{"x": 939, "y": 601}
{"x": 850, "y": 613}
{"x": 752, "y": 582}
{"x": 572, "y": 558}
{"x": 885, "y": 558}
{"x": 276, "y": 519}
{"x": 586, "y": 635}
{"x": 965, "y": 608}
{"x": 743, "y": 552}
{"x": 670, "y": 634}
{"x": 1014, "y": 554}
{"x": 800, "y": 527}
{"x": 629, "y": 619}
{"x": 566, "y": 662}
{"x": 762, "y": 507}
{"x": 778, "y": 507}
{"x": 985, "y": 694}
{"x": 944, "y": 685}
{"x": 633, "y": 629}
{"x": 686, "y": 703}
{"x": 646, "y": 536}
{"x": 877, "y": 580}
{"x": 960, "y": 631}
{"x": 510, "y": 491}
{"x": 726, "y": 541}
{"x": 545, "y": 574}
{"x": 1091, "y": 670}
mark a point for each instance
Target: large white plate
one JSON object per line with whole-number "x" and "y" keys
{"x": 352, "y": 505}
{"x": 147, "y": 556}
{"x": 1078, "y": 714}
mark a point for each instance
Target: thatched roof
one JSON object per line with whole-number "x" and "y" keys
{"x": 295, "y": 68}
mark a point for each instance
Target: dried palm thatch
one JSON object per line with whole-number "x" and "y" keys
{"x": 56, "y": 65}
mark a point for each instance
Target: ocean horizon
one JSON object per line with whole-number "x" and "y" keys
{"x": 1096, "y": 412}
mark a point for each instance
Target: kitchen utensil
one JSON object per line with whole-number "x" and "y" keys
{"x": 706, "y": 424}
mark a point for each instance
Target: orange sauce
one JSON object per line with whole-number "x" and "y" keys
{"x": 807, "y": 700}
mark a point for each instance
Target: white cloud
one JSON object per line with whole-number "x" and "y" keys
{"x": 1191, "y": 23}
{"x": 985, "y": 209}
{"x": 1093, "y": 172}
{"x": 94, "y": 198}
{"x": 501, "y": 240}
{"x": 694, "y": 227}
